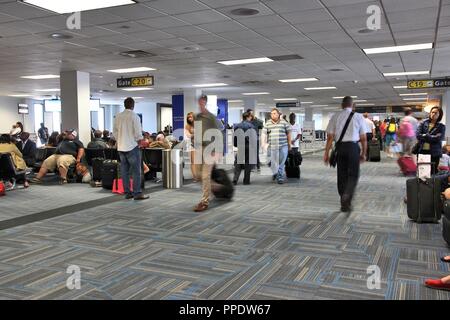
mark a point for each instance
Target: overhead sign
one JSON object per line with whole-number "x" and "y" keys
{"x": 371, "y": 109}
{"x": 23, "y": 108}
{"x": 135, "y": 82}
{"x": 287, "y": 105}
{"x": 428, "y": 84}
{"x": 400, "y": 109}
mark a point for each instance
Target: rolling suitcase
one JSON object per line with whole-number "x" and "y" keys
{"x": 110, "y": 171}
{"x": 221, "y": 185}
{"x": 424, "y": 203}
{"x": 407, "y": 165}
{"x": 374, "y": 151}
{"x": 446, "y": 222}
{"x": 292, "y": 165}
{"x": 97, "y": 167}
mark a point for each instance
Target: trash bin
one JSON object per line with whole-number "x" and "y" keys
{"x": 172, "y": 168}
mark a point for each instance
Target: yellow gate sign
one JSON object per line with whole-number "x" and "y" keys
{"x": 420, "y": 84}
{"x": 134, "y": 82}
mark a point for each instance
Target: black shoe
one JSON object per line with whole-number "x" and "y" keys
{"x": 235, "y": 183}
{"x": 274, "y": 177}
{"x": 345, "y": 209}
{"x": 141, "y": 197}
{"x": 129, "y": 196}
{"x": 247, "y": 183}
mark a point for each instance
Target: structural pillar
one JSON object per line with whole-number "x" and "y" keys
{"x": 309, "y": 114}
{"x": 75, "y": 96}
{"x": 446, "y": 109}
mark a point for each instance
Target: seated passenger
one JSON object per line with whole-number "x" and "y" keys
{"x": 69, "y": 152}
{"x": 98, "y": 142}
{"x": 53, "y": 140}
{"x": 440, "y": 284}
{"x": 444, "y": 162}
{"x": 160, "y": 142}
{"x": 112, "y": 143}
{"x": 106, "y": 136}
{"x": 7, "y": 146}
{"x": 28, "y": 149}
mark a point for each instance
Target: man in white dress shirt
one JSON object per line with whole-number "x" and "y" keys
{"x": 350, "y": 155}
{"x": 128, "y": 133}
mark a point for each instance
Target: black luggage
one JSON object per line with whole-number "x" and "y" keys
{"x": 110, "y": 172}
{"x": 446, "y": 222}
{"x": 424, "y": 204}
{"x": 221, "y": 185}
{"x": 292, "y": 165}
{"x": 97, "y": 168}
{"x": 374, "y": 151}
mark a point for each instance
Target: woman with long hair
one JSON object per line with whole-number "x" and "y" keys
{"x": 189, "y": 137}
{"x": 430, "y": 134}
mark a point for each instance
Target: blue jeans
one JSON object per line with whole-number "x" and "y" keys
{"x": 131, "y": 161}
{"x": 277, "y": 161}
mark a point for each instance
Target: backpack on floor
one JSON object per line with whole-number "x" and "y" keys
{"x": 221, "y": 185}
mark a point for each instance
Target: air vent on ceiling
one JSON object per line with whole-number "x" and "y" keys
{"x": 244, "y": 12}
{"x": 137, "y": 54}
{"x": 252, "y": 83}
{"x": 286, "y": 57}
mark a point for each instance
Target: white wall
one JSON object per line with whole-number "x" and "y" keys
{"x": 235, "y": 115}
{"x": 9, "y": 114}
{"x": 147, "y": 109}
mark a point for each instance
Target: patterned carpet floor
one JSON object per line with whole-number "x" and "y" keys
{"x": 270, "y": 242}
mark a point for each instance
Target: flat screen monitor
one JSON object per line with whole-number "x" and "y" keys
{"x": 23, "y": 108}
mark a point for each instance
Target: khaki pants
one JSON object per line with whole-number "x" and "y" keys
{"x": 204, "y": 170}
{"x": 59, "y": 160}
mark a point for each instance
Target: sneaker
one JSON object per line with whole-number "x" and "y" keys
{"x": 141, "y": 197}
{"x": 36, "y": 180}
{"x": 280, "y": 181}
{"x": 129, "y": 196}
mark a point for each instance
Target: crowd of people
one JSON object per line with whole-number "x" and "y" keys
{"x": 349, "y": 135}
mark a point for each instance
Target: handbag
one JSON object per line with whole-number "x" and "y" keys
{"x": 334, "y": 151}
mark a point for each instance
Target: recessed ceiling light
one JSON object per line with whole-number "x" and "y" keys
{"x": 255, "y": 93}
{"x": 321, "y": 88}
{"x": 41, "y": 76}
{"x": 131, "y": 70}
{"x": 19, "y": 95}
{"x": 47, "y": 90}
{"x": 299, "y": 80}
{"x": 413, "y": 94}
{"x": 414, "y": 99}
{"x": 285, "y": 99}
{"x": 62, "y": 7}
{"x": 60, "y": 36}
{"x": 137, "y": 89}
{"x": 245, "y": 61}
{"x": 412, "y": 47}
{"x": 400, "y": 87}
{"x": 409, "y": 73}
{"x": 235, "y": 101}
{"x": 244, "y": 12}
{"x": 354, "y": 97}
{"x": 209, "y": 85}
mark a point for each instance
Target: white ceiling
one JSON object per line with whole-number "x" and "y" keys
{"x": 324, "y": 32}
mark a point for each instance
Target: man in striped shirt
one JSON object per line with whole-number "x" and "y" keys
{"x": 276, "y": 137}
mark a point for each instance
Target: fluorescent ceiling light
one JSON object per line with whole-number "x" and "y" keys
{"x": 41, "y": 76}
{"x": 137, "y": 89}
{"x": 366, "y": 104}
{"x": 321, "y": 88}
{"x": 307, "y": 102}
{"x": 412, "y": 47}
{"x": 235, "y": 101}
{"x": 19, "y": 95}
{"x": 286, "y": 99}
{"x": 123, "y": 98}
{"x": 414, "y": 99}
{"x": 410, "y": 73}
{"x": 400, "y": 87}
{"x": 354, "y": 97}
{"x": 319, "y": 105}
{"x": 47, "y": 90}
{"x": 413, "y": 94}
{"x": 130, "y": 70}
{"x": 255, "y": 93}
{"x": 209, "y": 85}
{"x": 68, "y": 6}
{"x": 359, "y": 101}
{"x": 299, "y": 80}
{"x": 244, "y": 61}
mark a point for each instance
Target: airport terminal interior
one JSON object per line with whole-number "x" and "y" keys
{"x": 69, "y": 70}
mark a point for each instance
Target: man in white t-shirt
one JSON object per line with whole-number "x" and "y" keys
{"x": 296, "y": 133}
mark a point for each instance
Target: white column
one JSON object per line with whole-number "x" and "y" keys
{"x": 191, "y": 100}
{"x": 446, "y": 109}
{"x": 308, "y": 114}
{"x": 75, "y": 96}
